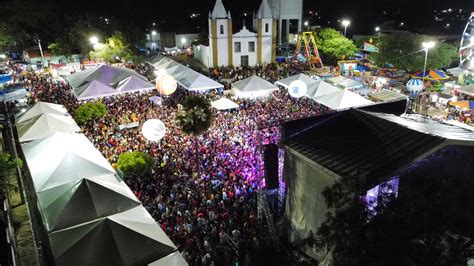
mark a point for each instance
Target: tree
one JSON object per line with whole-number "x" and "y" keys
{"x": 428, "y": 223}
{"x": 115, "y": 49}
{"x": 8, "y": 167}
{"x": 404, "y": 51}
{"x": 134, "y": 163}
{"x": 333, "y": 45}
{"x": 90, "y": 111}
{"x": 195, "y": 117}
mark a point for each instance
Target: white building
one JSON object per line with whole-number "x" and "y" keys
{"x": 289, "y": 15}
{"x": 246, "y": 47}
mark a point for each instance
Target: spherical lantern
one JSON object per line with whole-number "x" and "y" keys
{"x": 414, "y": 87}
{"x": 297, "y": 89}
{"x": 153, "y": 130}
{"x": 166, "y": 85}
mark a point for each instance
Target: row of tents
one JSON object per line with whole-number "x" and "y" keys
{"x": 91, "y": 217}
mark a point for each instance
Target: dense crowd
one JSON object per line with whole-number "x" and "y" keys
{"x": 212, "y": 218}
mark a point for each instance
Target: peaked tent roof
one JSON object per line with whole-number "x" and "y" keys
{"x": 84, "y": 200}
{"x": 107, "y": 80}
{"x": 254, "y": 83}
{"x": 133, "y": 83}
{"x": 45, "y": 125}
{"x": 173, "y": 259}
{"x": 264, "y": 11}
{"x": 303, "y": 77}
{"x": 131, "y": 237}
{"x": 430, "y": 75}
{"x": 321, "y": 88}
{"x": 219, "y": 10}
{"x": 342, "y": 100}
{"x": 71, "y": 157}
{"x": 224, "y": 104}
{"x": 41, "y": 108}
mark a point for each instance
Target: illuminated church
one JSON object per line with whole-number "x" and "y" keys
{"x": 248, "y": 47}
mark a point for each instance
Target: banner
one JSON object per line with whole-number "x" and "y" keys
{"x": 131, "y": 125}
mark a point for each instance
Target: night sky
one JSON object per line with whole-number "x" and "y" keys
{"x": 417, "y": 15}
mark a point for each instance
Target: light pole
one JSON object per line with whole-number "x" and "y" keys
{"x": 345, "y": 23}
{"x": 426, "y": 46}
{"x": 94, "y": 40}
{"x": 377, "y": 29}
{"x": 183, "y": 41}
{"x": 306, "y": 23}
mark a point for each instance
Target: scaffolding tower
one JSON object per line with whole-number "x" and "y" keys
{"x": 307, "y": 51}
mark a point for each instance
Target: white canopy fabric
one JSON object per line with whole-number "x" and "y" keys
{"x": 303, "y": 77}
{"x": 105, "y": 81}
{"x": 63, "y": 158}
{"x": 173, "y": 259}
{"x": 44, "y": 125}
{"x": 41, "y": 108}
{"x": 345, "y": 82}
{"x": 131, "y": 237}
{"x": 84, "y": 200}
{"x": 253, "y": 87}
{"x": 321, "y": 88}
{"x": 224, "y": 104}
{"x": 186, "y": 77}
{"x": 343, "y": 99}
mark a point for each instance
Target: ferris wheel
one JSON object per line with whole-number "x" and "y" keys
{"x": 466, "y": 50}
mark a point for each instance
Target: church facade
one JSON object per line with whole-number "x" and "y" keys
{"x": 248, "y": 47}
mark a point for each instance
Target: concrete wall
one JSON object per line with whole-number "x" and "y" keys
{"x": 203, "y": 54}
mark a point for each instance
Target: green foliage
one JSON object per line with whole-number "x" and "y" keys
{"x": 405, "y": 51}
{"x": 333, "y": 45}
{"x": 134, "y": 163}
{"x": 115, "y": 49}
{"x": 195, "y": 116}
{"x": 90, "y": 111}
{"x": 8, "y": 167}
{"x": 7, "y": 39}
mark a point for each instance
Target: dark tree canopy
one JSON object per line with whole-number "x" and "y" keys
{"x": 90, "y": 111}
{"x": 405, "y": 51}
{"x": 195, "y": 116}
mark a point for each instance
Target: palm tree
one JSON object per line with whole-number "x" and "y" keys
{"x": 195, "y": 117}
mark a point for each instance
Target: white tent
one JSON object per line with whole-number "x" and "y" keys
{"x": 84, "y": 200}
{"x": 321, "y": 88}
{"x": 63, "y": 158}
{"x": 45, "y": 125}
{"x": 224, "y": 104}
{"x": 345, "y": 83}
{"x": 343, "y": 99}
{"x": 305, "y": 78}
{"x": 41, "y": 108}
{"x": 186, "y": 77}
{"x": 106, "y": 80}
{"x": 173, "y": 259}
{"x": 131, "y": 237}
{"x": 253, "y": 87}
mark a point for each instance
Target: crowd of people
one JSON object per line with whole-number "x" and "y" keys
{"x": 212, "y": 218}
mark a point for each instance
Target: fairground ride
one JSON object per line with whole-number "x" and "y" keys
{"x": 467, "y": 46}
{"x": 306, "y": 51}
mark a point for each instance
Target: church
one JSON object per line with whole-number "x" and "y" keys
{"x": 248, "y": 47}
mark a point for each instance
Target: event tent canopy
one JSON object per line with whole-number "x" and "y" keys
{"x": 344, "y": 82}
{"x": 430, "y": 75}
{"x": 343, "y": 99}
{"x": 173, "y": 259}
{"x": 224, "y": 104}
{"x": 106, "y": 80}
{"x": 321, "y": 88}
{"x": 186, "y": 77}
{"x": 63, "y": 158}
{"x": 44, "y": 125}
{"x": 84, "y": 200}
{"x": 468, "y": 90}
{"x": 253, "y": 87}
{"x": 465, "y": 105}
{"x": 41, "y": 108}
{"x": 131, "y": 237}
{"x": 305, "y": 78}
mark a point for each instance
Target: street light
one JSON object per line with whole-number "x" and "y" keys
{"x": 306, "y": 23}
{"x": 94, "y": 40}
{"x": 183, "y": 41}
{"x": 345, "y": 23}
{"x": 377, "y": 29}
{"x": 426, "y": 46}
{"x": 154, "y": 33}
